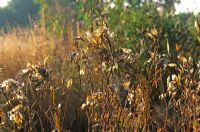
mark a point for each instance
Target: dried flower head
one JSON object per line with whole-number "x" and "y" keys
{"x": 38, "y": 73}
{"x": 10, "y": 85}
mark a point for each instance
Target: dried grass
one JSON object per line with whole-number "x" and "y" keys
{"x": 91, "y": 84}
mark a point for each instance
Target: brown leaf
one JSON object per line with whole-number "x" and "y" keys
{"x": 18, "y": 118}
{"x": 82, "y": 72}
{"x": 197, "y": 25}
{"x": 69, "y": 83}
{"x": 172, "y": 65}
{"x": 57, "y": 121}
{"x": 126, "y": 84}
{"x": 158, "y": 130}
{"x": 127, "y": 51}
{"x": 178, "y": 47}
{"x": 154, "y": 32}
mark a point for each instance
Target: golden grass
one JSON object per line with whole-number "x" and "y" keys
{"x": 20, "y": 46}
{"x": 23, "y": 49}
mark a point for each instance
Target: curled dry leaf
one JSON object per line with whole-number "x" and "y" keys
{"x": 126, "y": 84}
{"x": 82, "y": 72}
{"x": 83, "y": 106}
{"x": 198, "y": 38}
{"x": 69, "y": 83}
{"x": 73, "y": 56}
{"x": 17, "y": 108}
{"x": 172, "y": 65}
{"x": 18, "y": 118}
{"x": 197, "y": 25}
{"x": 153, "y": 34}
{"x": 182, "y": 59}
{"x": 95, "y": 37}
{"x": 178, "y": 47}
{"x": 127, "y": 51}
{"x": 176, "y": 78}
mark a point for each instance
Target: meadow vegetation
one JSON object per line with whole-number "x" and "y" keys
{"x": 103, "y": 72}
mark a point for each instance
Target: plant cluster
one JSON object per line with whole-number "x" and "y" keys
{"x": 108, "y": 86}
{"x": 161, "y": 94}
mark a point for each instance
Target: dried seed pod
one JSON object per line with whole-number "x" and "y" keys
{"x": 10, "y": 85}
{"x": 197, "y": 25}
{"x": 38, "y": 73}
{"x": 73, "y": 56}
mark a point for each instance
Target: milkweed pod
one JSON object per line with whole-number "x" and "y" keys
{"x": 197, "y": 25}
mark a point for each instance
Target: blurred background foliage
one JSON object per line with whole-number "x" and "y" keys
{"x": 18, "y": 13}
{"x": 130, "y": 20}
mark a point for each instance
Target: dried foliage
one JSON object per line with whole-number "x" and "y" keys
{"x": 102, "y": 86}
{"x": 164, "y": 95}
